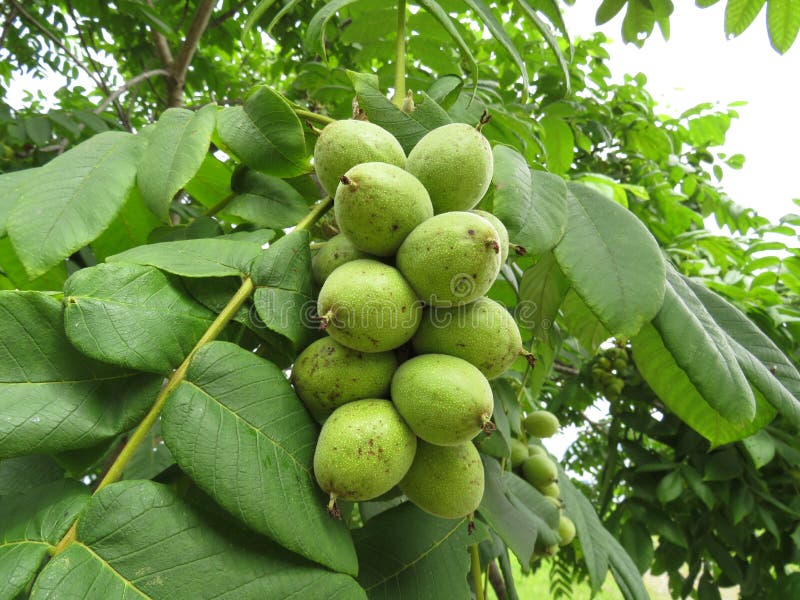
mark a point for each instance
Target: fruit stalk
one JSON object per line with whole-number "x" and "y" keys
{"x": 312, "y": 116}
{"x": 400, "y": 56}
{"x": 223, "y": 318}
{"x": 475, "y": 569}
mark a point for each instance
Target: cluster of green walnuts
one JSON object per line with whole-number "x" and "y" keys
{"x": 400, "y": 382}
{"x": 612, "y": 370}
{"x": 538, "y": 468}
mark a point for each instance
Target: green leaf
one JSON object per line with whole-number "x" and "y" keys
{"x": 15, "y": 271}
{"x": 551, "y": 40}
{"x": 516, "y": 511}
{"x": 214, "y": 257}
{"x": 638, "y": 22}
{"x": 265, "y": 134}
{"x": 258, "y": 449}
{"x": 696, "y": 484}
{"x": 600, "y": 549}
{"x": 315, "y": 33}
{"x": 766, "y": 367}
{"x": 407, "y": 128}
{"x": 497, "y": 29}
{"x": 72, "y": 200}
{"x": 559, "y": 144}
{"x": 139, "y": 539}
{"x": 636, "y": 540}
{"x": 760, "y": 447}
{"x": 284, "y": 289}
{"x": 212, "y": 182}
{"x": 10, "y": 186}
{"x": 253, "y": 17}
{"x": 612, "y": 261}
{"x": 130, "y": 228}
{"x": 670, "y": 487}
{"x": 52, "y": 398}
{"x": 739, "y": 14}
{"x": 700, "y": 348}
{"x": 265, "y": 201}
{"x": 676, "y": 390}
{"x": 438, "y": 13}
{"x": 608, "y": 10}
{"x": 541, "y": 292}
{"x": 582, "y": 323}
{"x": 406, "y": 553}
{"x": 30, "y": 526}
{"x": 21, "y": 474}
{"x": 151, "y": 458}
{"x": 532, "y": 204}
{"x": 132, "y": 315}
{"x": 175, "y": 150}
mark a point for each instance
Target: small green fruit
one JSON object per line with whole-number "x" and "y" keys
{"x": 332, "y": 255}
{"x": 451, "y": 259}
{"x": 483, "y": 333}
{"x": 363, "y": 451}
{"x": 327, "y": 375}
{"x": 347, "y": 143}
{"x": 555, "y": 501}
{"x": 377, "y": 205}
{"x": 519, "y": 452}
{"x": 501, "y": 231}
{"x": 620, "y": 364}
{"x": 444, "y": 399}
{"x": 551, "y": 490}
{"x": 368, "y": 306}
{"x": 615, "y": 386}
{"x": 539, "y": 470}
{"x": 534, "y": 450}
{"x": 454, "y": 162}
{"x": 604, "y": 363}
{"x": 566, "y": 530}
{"x": 541, "y": 424}
{"x": 445, "y": 481}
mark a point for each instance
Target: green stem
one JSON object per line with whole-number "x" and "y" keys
{"x": 140, "y": 434}
{"x": 312, "y": 116}
{"x": 400, "y": 55}
{"x": 220, "y": 205}
{"x": 475, "y": 569}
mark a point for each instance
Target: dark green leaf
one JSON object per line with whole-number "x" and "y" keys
{"x": 138, "y": 539}
{"x": 18, "y": 475}
{"x": 265, "y": 134}
{"x": 695, "y": 483}
{"x": 265, "y": 201}
{"x": 72, "y": 200}
{"x": 670, "y": 487}
{"x": 132, "y": 315}
{"x": 406, "y": 553}
{"x": 531, "y": 204}
{"x": 612, "y": 261}
{"x": 258, "y": 446}
{"x": 636, "y": 540}
{"x": 608, "y": 10}
{"x": 175, "y": 150}
{"x": 52, "y": 398}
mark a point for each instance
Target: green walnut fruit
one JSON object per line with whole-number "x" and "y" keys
{"x": 332, "y": 255}
{"x": 363, "y": 451}
{"x": 551, "y": 490}
{"x": 377, "y": 205}
{"x": 501, "y": 231}
{"x": 539, "y": 470}
{"x": 454, "y": 162}
{"x": 604, "y": 363}
{"x": 542, "y": 424}
{"x": 620, "y": 364}
{"x": 444, "y": 399}
{"x": 445, "y": 481}
{"x": 368, "y": 306}
{"x": 327, "y": 375}
{"x": 483, "y": 333}
{"x": 451, "y": 259}
{"x": 344, "y": 144}
{"x": 519, "y": 452}
{"x": 555, "y": 501}
{"x": 534, "y": 450}
{"x": 566, "y": 530}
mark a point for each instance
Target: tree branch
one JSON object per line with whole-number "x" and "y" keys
{"x": 127, "y": 85}
{"x": 162, "y": 47}
{"x": 7, "y": 25}
{"x": 189, "y": 47}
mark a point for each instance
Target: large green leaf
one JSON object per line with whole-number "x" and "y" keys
{"x": 406, "y": 553}
{"x": 559, "y": 143}
{"x": 612, "y": 261}
{"x": 72, "y": 199}
{"x": 531, "y": 204}
{"x": 700, "y": 348}
{"x": 541, "y": 292}
{"x": 516, "y": 512}
{"x": 14, "y": 270}
{"x": 175, "y": 150}
{"x": 30, "y": 525}
{"x": 601, "y": 550}
{"x": 10, "y": 187}
{"x": 20, "y": 474}
{"x": 284, "y": 294}
{"x": 582, "y": 324}
{"x": 52, "y": 398}
{"x": 237, "y": 428}
{"x": 783, "y": 23}
{"x": 265, "y": 201}
{"x": 220, "y": 257}
{"x": 766, "y": 367}
{"x": 130, "y": 228}
{"x": 265, "y": 134}
{"x": 315, "y": 32}
{"x": 739, "y": 14}
{"x": 132, "y": 315}
{"x": 676, "y": 390}
{"x": 140, "y": 540}
{"x": 407, "y": 128}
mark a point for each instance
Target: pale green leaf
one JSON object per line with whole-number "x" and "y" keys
{"x": 607, "y": 10}
{"x": 541, "y": 292}
{"x": 315, "y": 33}
{"x": 10, "y": 186}
{"x": 783, "y": 23}
{"x": 582, "y": 324}
{"x": 257, "y": 451}
{"x": 739, "y": 14}
{"x": 559, "y": 144}
{"x": 53, "y": 398}
{"x": 551, "y": 40}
